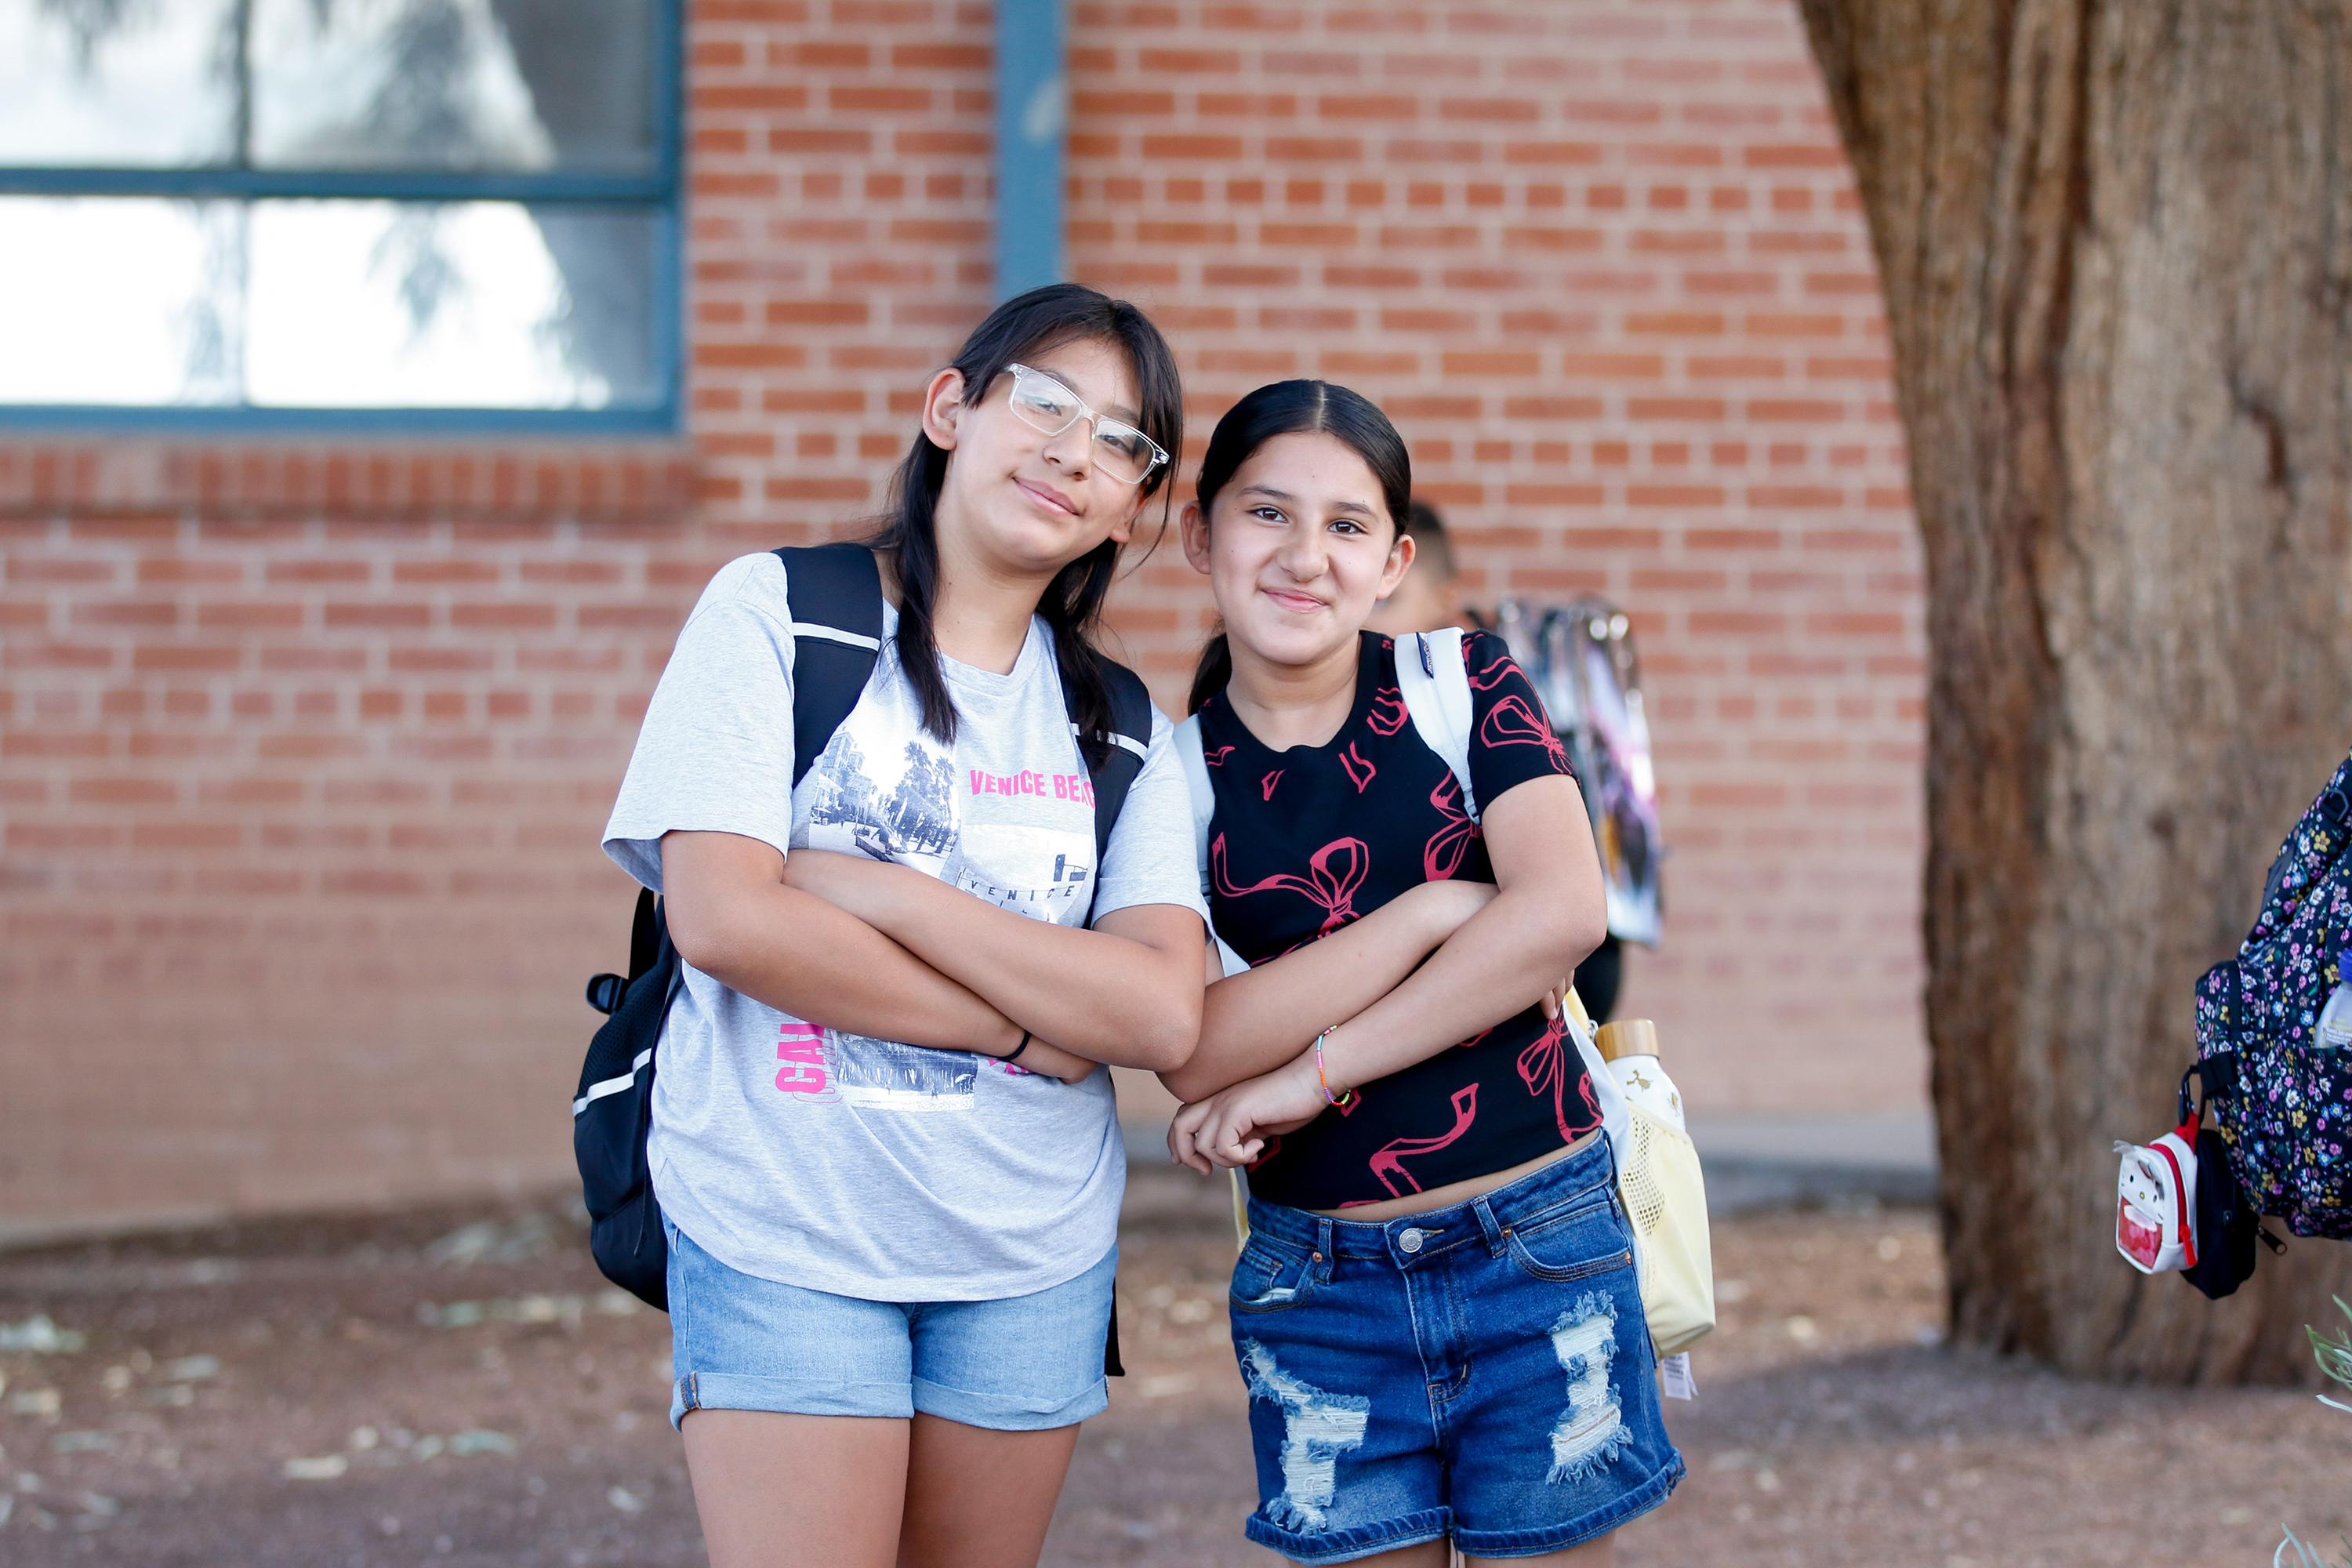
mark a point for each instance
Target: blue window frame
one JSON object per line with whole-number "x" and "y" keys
{"x": 357, "y": 215}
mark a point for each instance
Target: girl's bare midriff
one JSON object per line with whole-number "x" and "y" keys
{"x": 1453, "y": 1193}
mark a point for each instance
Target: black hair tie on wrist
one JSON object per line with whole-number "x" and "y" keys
{"x": 1017, "y": 1049}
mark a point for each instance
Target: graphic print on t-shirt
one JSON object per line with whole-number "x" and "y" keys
{"x": 901, "y": 810}
{"x": 917, "y": 812}
{"x": 860, "y": 808}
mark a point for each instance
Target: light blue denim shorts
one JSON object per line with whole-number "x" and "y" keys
{"x": 1482, "y": 1372}
{"x": 1024, "y": 1363}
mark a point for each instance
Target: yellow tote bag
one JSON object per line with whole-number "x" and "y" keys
{"x": 1664, "y": 1194}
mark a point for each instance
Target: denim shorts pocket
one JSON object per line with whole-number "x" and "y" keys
{"x": 1270, "y": 1277}
{"x": 1588, "y": 1239}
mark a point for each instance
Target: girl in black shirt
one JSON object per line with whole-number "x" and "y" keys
{"x": 1430, "y": 1190}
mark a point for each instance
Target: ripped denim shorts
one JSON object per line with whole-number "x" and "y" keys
{"x": 1482, "y": 1372}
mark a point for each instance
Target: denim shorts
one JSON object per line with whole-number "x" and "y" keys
{"x": 1482, "y": 1372}
{"x": 1020, "y": 1364}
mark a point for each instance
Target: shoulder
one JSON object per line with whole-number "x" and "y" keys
{"x": 1485, "y": 654}
{"x": 756, "y": 585}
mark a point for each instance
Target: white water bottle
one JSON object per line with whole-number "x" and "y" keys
{"x": 1630, "y": 1049}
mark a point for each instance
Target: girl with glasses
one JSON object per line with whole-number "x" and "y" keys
{"x": 884, "y": 1145}
{"x": 1436, "y": 1313}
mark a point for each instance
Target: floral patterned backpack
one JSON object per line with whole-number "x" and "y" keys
{"x": 2274, "y": 1031}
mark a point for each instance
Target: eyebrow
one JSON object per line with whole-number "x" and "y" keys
{"x": 1119, "y": 411}
{"x": 1273, "y": 494}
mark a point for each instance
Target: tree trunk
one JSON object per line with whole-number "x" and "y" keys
{"x": 2115, "y": 237}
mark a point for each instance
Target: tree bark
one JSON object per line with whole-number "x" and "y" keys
{"x": 2115, "y": 237}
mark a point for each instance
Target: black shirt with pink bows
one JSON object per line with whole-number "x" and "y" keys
{"x": 1306, "y": 840}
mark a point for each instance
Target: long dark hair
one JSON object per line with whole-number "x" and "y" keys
{"x": 1296, "y": 408}
{"x": 1026, "y": 327}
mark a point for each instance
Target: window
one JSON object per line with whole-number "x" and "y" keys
{"x": 361, "y": 213}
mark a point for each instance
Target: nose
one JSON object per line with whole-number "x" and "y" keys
{"x": 1072, "y": 450}
{"x": 1302, "y": 553}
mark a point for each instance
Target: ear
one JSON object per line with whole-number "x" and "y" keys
{"x": 1124, "y": 528}
{"x": 1399, "y": 563}
{"x": 1195, "y": 524}
{"x": 943, "y": 407}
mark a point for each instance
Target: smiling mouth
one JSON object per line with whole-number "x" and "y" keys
{"x": 1297, "y": 603}
{"x": 1047, "y": 498}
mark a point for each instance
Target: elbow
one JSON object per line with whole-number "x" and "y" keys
{"x": 1588, "y": 931}
{"x": 1168, "y": 1047}
{"x": 1574, "y": 933}
{"x": 1189, "y": 1081}
{"x": 704, "y": 938}
{"x": 1165, "y": 1042}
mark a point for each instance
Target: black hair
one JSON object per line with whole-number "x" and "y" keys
{"x": 1026, "y": 327}
{"x": 1296, "y": 408}
{"x": 1431, "y": 547}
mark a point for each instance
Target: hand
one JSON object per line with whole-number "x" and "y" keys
{"x": 1555, "y": 999}
{"x": 1230, "y": 1127}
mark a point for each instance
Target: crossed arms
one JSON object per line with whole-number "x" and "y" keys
{"x": 885, "y": 950}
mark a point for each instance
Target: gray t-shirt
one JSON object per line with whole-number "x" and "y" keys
{"x": 832, "y": 1160}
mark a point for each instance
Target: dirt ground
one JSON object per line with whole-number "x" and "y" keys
{"x": 460, "y": 1388}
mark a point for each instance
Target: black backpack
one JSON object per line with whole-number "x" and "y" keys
{"x": 836, "y": 597}
{"x": 2228, "y": 1227}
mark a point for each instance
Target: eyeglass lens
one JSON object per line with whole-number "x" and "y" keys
{"x": 1044, "y": 403}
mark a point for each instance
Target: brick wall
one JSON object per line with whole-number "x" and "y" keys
{"x": 1603, "y": 263}
{"x": 303, "y": 751}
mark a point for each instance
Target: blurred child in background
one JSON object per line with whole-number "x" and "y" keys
{"x": 1430, "y": 594}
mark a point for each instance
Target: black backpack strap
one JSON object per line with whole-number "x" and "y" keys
{"x": 646, "y": 933}
{"x": 2217, "y": 1075}
{"x": 1129, "y": 742}
{"x": 836, "y": 599}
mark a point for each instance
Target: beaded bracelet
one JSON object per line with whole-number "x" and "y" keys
{"x": 1346, "y": 1101}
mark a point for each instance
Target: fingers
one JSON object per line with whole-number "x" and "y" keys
{"x": 1182, "y": 1134}
{"x": 1553, "y": 1000}
{"x": 1180, "y": 1151}
{"x": 1227, "y": 1138}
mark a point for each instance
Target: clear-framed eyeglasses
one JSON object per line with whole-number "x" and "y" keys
{"x": 1121, "y": 450}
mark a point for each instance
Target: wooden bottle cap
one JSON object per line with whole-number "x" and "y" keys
{"x": 1626, "y": 1037}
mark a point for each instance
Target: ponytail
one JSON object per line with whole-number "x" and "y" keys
{"x": 1209, "y": 677}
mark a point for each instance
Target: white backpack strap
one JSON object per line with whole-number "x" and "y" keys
{"x": 1204, "y": 799}
{"x": 1435, "y": 686}
{"x": 1606, "y": 1090}
{"x": 1204, "y": 807}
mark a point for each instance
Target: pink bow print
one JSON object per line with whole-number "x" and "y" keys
{"x": 1544, "y": 1065}
{"x": 1512, "y": 722}
{"x": 1334, "y": 874}
{"x": 1442, "y": 855}
{"x": 1388, "y": 1164}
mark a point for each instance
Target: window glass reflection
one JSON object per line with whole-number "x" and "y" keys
{"x": 326, "y": 304}
{"x": 100, "y": 82}
{"x": 452, "y": 84}
{"x": 511, "y": 85}
{"x": 378, "y": 304}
